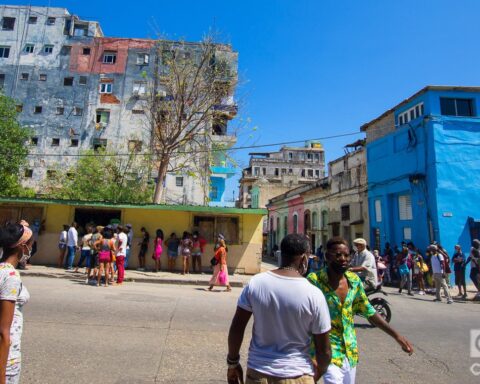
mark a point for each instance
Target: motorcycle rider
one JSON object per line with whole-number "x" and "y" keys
{"x": 364, "y": 264}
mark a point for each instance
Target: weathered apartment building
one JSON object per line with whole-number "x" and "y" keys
{"x": 77, "y": 90}
{"x": 272, "y": 173}
{"x": 336, "y": 205}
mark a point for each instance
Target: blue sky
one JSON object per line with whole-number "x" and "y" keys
{"x": 309, "y": 68}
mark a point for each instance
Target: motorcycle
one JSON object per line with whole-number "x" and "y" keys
{"x": 381, "y": 305}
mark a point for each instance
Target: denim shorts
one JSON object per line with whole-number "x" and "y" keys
{"x": 172, "y": 253}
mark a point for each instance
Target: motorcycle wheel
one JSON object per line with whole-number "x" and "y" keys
{"x": 382, "y": 308}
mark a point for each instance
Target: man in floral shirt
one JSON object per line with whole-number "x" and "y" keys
{"x": 346, "y": 297}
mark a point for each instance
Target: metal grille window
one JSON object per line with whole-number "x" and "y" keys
{"x": 456, "y": 107}
{"x": 345, "y": 212}
{"x": 378, "y": 211}
{"x": 109, "y": 57}
{"x": 8, "y": 23}
{"x": 68, "y": 81}
{"x": 4, "y": 52}
{"x": 106, "y": 88}
{"x": 314, "y": 220}
{"x": 139, "y": 88}
{"x": 179, "y": 181}
{"x": 102, "y": 117}
{"x": 29, "y": 48}
{"x": 42, "y": 77}
{"x": 405, "y": 207}
{"x": 142, "y": 58}
{"x": 48, "y": 49}
{"x": 210, "y": 226}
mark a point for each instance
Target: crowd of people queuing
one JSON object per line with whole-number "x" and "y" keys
{"x": 410, "y": 269}
{"x": 106, "y": 252}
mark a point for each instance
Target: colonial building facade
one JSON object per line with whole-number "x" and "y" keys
{"x": 77, "y": 89}
{"x": 331, "y": 206}
{"x": 272, "y": 173}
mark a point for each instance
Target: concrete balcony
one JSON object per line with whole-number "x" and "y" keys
{"x": 227, "y": 141}
{"x": 223, "y": 170}
{"x": 226, "y": 107}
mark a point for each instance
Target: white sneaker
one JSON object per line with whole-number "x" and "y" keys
{"x": 421, "y": 293}
{"x": 86, "y": 280}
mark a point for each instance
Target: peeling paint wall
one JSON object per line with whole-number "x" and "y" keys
{"x": 59, "y": 89}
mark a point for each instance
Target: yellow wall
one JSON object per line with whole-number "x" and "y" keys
{"x": 244, "y": 257}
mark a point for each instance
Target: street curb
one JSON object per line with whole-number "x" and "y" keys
{"x": 179, "y": 281}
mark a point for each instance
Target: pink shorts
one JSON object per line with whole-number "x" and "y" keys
{"x": 104, "y": 257}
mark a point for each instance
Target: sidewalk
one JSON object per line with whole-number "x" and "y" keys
{"x": 136, "y": 276}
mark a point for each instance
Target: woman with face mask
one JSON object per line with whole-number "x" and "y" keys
{"x": 16, "y": 241}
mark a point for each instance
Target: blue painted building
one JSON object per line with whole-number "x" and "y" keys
{"x": 221, "y": 169}
{"x": 423, "y": 160}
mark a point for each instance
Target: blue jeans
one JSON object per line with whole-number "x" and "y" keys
{"x": 70, "y": 257}
{"x": 127, "y": 256}
{"x": 85, "y": 255}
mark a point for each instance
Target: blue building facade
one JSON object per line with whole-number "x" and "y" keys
{"x": 423, "y": 157}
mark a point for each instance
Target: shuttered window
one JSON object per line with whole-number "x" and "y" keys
{"x": 405, "y": 207}
{"x": 378, "y": 211}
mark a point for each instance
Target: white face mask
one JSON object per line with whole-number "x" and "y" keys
{"x": 25, "y": 256}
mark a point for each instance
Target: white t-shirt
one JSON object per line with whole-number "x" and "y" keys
{"x": 63, "y": 237}
{"x": 367, "y": 260}
{"x": 122, "y": 248}
{"x": 286, "y": 312}
{"x": 437, "y": 263}
{"x": 86, "y": 242}
{"x": 72, "y": 237}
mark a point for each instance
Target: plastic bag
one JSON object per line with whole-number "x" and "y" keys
{"x": 222, "y": 277}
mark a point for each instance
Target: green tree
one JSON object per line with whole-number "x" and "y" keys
{"x": 13, "y": 150}
{"x": 103, "y": 176}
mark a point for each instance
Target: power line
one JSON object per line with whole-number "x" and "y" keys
{"x": 185, "y": 152}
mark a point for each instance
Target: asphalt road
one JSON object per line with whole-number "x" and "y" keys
{"x": 150, "y": 333}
